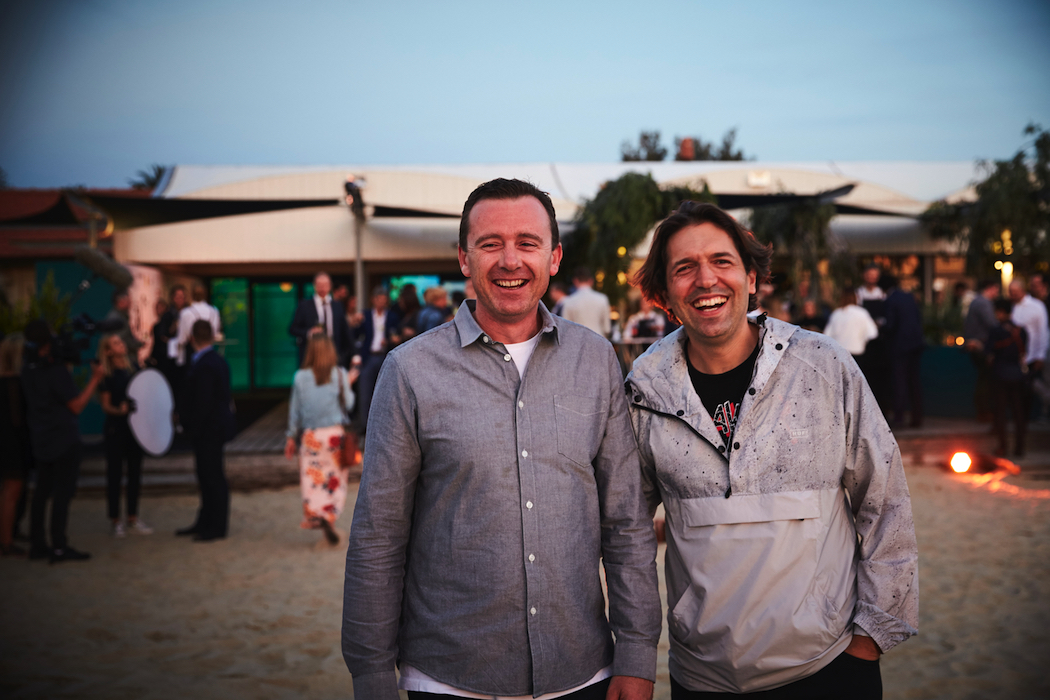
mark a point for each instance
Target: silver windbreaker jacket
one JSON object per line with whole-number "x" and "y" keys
{"x": 801, "y": 529}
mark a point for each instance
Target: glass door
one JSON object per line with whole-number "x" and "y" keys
{"x": 230, "y": 297}
{"x": 275, "y": 355}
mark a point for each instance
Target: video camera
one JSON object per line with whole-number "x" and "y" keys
{"x": 75, "y": 337}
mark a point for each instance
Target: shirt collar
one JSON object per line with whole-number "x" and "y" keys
{"x": 324, "y": 299}
{"x": 470, "y": 331}
{"x": 197, "y": 355}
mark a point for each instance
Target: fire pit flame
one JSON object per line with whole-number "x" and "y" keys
{"x": 960, "y": 462}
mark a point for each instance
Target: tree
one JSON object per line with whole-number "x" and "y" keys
{"x": 48, "y": 303}
{"x": 649, "y": 148}
{"x": 800, "y": 232}
{"x": 695, "y": 148}
{"x": 612, "y": 224}
{"x": 147, "y": 179}
{"x": 1010, "y": 218}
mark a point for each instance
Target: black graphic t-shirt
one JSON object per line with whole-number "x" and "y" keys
{"x": 721, "y": 394}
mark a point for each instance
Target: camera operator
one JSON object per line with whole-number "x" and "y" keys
{"x": 53, "y": 403}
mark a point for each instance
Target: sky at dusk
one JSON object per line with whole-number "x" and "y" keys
{"x": 94, "y": 90}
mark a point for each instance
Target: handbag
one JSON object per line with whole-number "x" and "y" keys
{"x": 348, "y": 452}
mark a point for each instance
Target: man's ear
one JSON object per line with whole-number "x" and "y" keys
{"x": 463, "y": 266}
{"x": 556, "y": 256}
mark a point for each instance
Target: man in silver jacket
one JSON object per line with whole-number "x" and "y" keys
{"x": 791, "y": 555}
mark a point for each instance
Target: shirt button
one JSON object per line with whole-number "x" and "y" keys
{"x": 521, "y": 404}
{"x": 532, "y": 610}
{"x": 506, "y": 358}
{"x": 524, "y": 453}
{"x": 736, "y": 445}
{"x": 751, "y": 391}
{"x": 779, "y": 346}
{"x": 532, "y": 557}
{"x": 721, "y": 448}
{"x": 528, "y": 504}
{"x": 680, "y": 413}
{"x": 486, "y": 339}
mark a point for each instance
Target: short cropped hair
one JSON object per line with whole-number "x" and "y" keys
{"x": 202, "y": 332}
{"x": 199, "y": 293}
{"x": 651, "y": 278}
{"x": 501, "y": 188}
{"x": 583, "y": 274}
{"x": 986, "y": 283}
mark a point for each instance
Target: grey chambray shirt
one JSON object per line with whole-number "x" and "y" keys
{"x": 486, "y": 506}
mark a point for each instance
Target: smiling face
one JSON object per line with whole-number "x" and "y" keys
{"x": 510, "y": 261}
{"x": 708, "y": 286}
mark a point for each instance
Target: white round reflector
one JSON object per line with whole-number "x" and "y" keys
{"x": 151, "y": 422}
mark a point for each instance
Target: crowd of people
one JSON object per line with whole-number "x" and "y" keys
{"x": 1006, "y": 336}
{"x": 1008, "y": 340}
{"x": 39, "y": 421}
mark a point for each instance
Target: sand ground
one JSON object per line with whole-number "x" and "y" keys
{"x": 258, "y": 615}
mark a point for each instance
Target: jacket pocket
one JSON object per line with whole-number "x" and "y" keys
{"x": 580, "y": 422}
{"x": 751, "y": 565}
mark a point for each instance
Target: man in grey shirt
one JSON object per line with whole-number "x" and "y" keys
{"x": 502, "y": 474}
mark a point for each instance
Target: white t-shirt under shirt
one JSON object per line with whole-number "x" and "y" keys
{"x": 522, "y": 352}
{"x": 415, "y": 680}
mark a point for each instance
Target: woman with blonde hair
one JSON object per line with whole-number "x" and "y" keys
{"x": 15, "y": 457}
{"x": 120, "y": 444}
{"x": 317, "y": 415}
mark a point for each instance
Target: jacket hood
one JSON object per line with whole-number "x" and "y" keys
{"x": 659, "y": 379}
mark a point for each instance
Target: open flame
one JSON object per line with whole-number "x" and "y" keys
{"x": 960, "y": 462}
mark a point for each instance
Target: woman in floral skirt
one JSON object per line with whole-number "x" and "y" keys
{"x": 321, "y": 399}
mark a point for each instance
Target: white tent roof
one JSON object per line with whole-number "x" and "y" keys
{"x": 901, "y": 186}
{"x": 903, "y": 189}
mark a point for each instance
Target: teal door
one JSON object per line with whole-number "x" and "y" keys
{"x": 230, "y": 297}
{"x": 275, "y": 355}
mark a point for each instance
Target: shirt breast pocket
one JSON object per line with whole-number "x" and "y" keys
{"x": 580, "y": 424}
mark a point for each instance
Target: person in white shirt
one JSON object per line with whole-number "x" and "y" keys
{"x": 586, "y": 306}
{"x": 851, "y": 326}
{"x": 870, "y": 290}
{"x": 1030, "y": 313}
{"x": 649, "y": 322}
{"x": 199, "y": 310}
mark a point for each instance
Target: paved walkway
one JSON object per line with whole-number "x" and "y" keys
{"x": 254, "y": 459}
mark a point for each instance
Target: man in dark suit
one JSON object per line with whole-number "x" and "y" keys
{"x": 322, "y": 310}
{"x": 370, "y": 348}
{"x": 209, "y": 421}
{"x": 904, "y": 332}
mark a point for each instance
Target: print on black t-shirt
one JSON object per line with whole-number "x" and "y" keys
{"x": 724, "y": 392}
{"x": 725, "y": 419}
